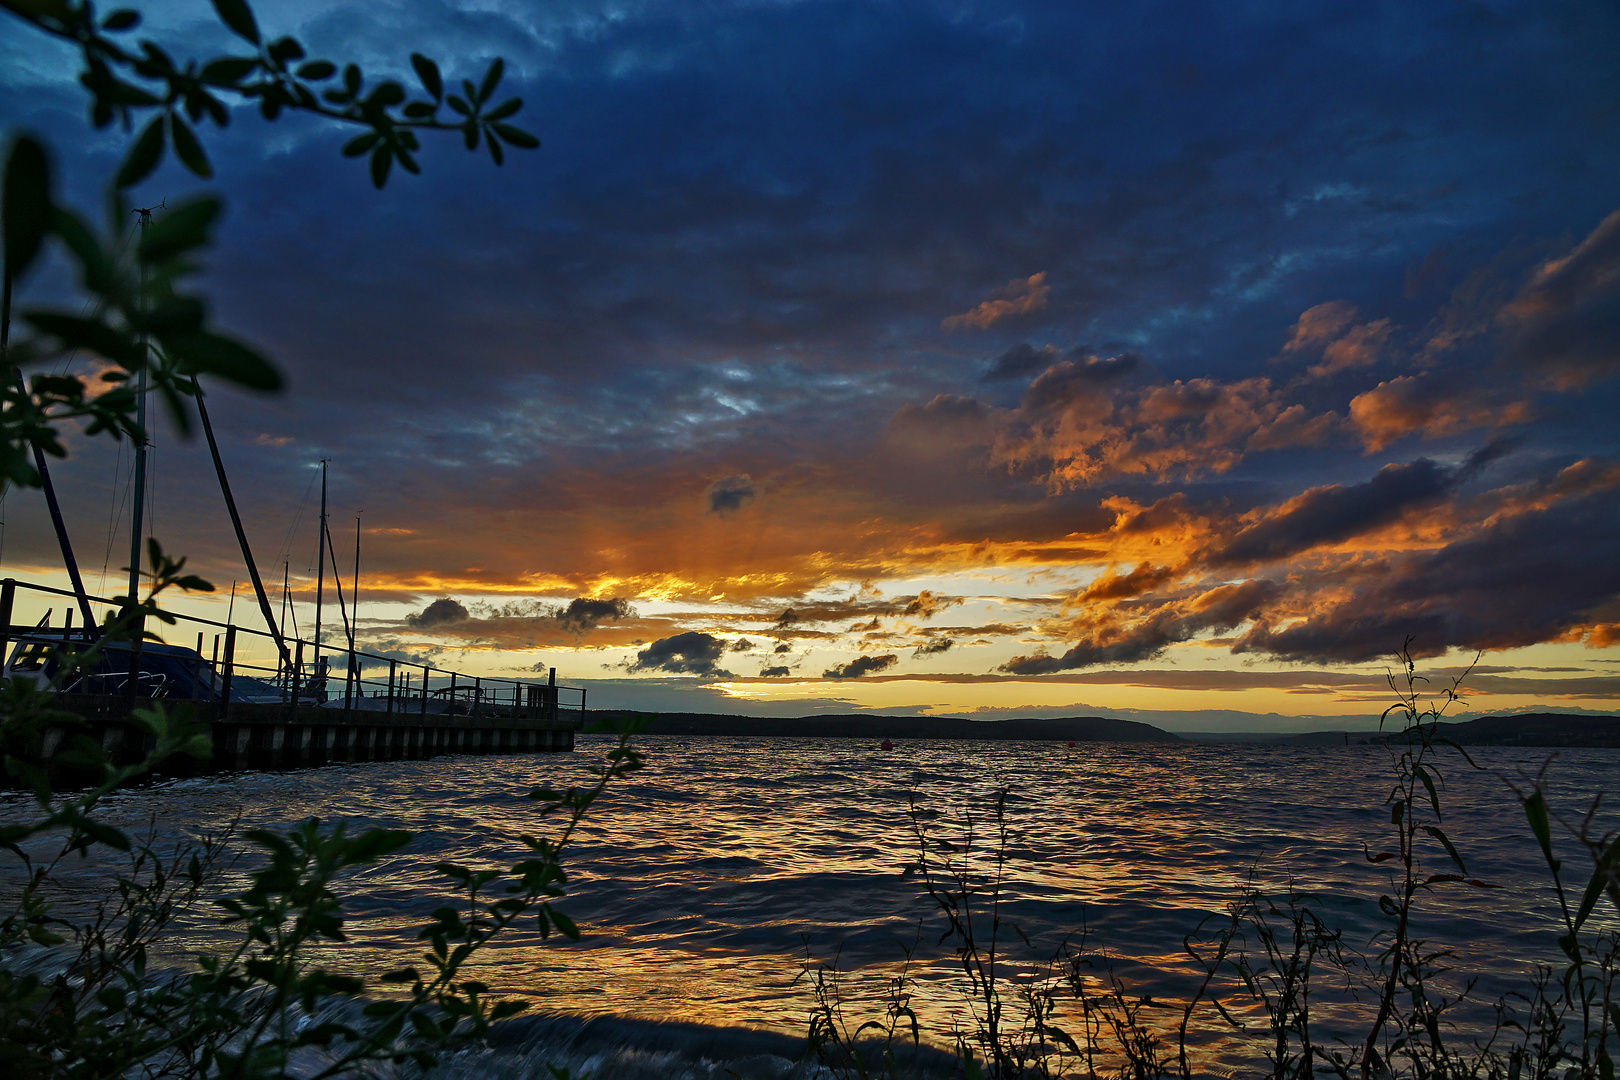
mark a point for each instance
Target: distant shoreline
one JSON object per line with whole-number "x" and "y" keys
{"x": 1553, "y": 730}
{"x": 864, "y": 726}
{"x": 1525, "y": 729}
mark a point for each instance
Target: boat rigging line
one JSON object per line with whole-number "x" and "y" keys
{"x": 354, "y": 591}
{"x": 337, "y": 581}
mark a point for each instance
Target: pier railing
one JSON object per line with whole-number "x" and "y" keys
{"x": 232, "y": 663}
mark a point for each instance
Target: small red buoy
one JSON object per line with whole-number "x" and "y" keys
{"x": 1071, "y": 744}
{"x": 887, "y": 745}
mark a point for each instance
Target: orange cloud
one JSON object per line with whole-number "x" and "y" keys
{"x": 1411, "y": 404}
{"x": 1327, "y": 328}
{"x": 1319, "y": 325}
{"x": 1124, "y": 635}
{"x": 1021, "y": 296}
{"x": 1166, "y": 431}
{"x": 1112, "y": 586}
{"x": 1358, "y": 348}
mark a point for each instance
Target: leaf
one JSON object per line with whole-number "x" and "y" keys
{"x": 228, "y": 70}
{"x": 144, "y": 156}
{"x": 1601, "y": 875}
{"x": 426, "y": 1026}
{"x": 1535, "y": 810}
{"x": 26, "y": 203}
{"x": 516, "y": 136}
{"x": 504, "y": 109}
{"x": 566, "y": 925}
{"x": 175, "y": 315}
{"x": 387, "y": 95}
{"x": 78, "y": 332}
{"x": 103, "y": 834}
{"x": 1428, "y": 782}
{"x": 285, "y": 50}
{"x": 381, "y": 160}
{"x": 375, "y": 843}
{"x": 317, "y": 69}
{"x": 492, "y": 79}
{"x": 181, "y": 229}
{"x": 188, "y": 149}
{"x": 503, "y": 1009}
{"x": 123, "y": 93}
{"x": 428, "y": 72}
{"x": 239, "y": 17}
{"x": 82, "y": 242}
{"x": 1446, "y": 842}
{"x": 180, "y": 415}
{"x": 360, "y": 144}
{"x": 201, "y": 353}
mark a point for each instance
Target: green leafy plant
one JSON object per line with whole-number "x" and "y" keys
{"x": 872, "y": 1048}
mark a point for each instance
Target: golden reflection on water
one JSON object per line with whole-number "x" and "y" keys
{"x": 700, "y": 883}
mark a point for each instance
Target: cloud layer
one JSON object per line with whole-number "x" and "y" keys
{"x": 1018, "y": 340}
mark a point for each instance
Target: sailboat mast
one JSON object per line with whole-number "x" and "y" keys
{"x": 320, "y": 574}
{"x": 354, "y": 589}
{"x": 137, "y": 515}
{"x": 236, "y": 523}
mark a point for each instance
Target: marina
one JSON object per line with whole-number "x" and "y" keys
{"x": 329, "y": 705}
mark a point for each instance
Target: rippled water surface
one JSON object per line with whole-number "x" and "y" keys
{"x": 699, "y": 883}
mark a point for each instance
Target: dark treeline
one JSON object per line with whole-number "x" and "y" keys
{"x": 863, "y": 726}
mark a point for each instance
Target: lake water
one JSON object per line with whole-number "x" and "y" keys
{"x": 701, "y": 881}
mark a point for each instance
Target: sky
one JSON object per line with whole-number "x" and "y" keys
{"x": 1175, "y": 362}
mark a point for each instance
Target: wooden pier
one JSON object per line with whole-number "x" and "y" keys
{"x": 274, "y": 737}
{"x": 266, "y": 708}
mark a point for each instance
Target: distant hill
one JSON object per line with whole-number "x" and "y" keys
{"x": 1536, "y": 729}
{"x": 867, "y": 726}
{"x": 1523, "y": 729}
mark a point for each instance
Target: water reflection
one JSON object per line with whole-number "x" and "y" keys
{"x": 698, "y": 884}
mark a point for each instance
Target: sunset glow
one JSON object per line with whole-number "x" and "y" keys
{"x": 931, "y": 360}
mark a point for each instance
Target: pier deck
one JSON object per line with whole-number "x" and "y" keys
{"x": 271, "y": 737}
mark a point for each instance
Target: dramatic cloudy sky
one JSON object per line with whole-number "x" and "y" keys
{"x": 1170, "y": 361}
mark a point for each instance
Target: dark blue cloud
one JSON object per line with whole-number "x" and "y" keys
{"x": 1528, "y": 579}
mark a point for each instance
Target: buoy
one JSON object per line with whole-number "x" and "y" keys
{"x": 1071, "y": 744}
{"x": 887, "y": 745}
